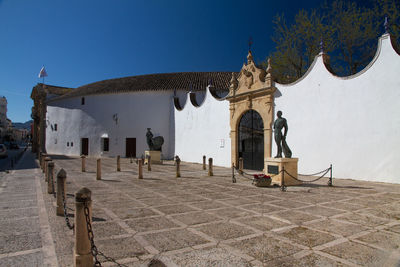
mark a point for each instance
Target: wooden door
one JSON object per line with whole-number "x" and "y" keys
{"x": 85, "y": 146}
{"x": 131, "y": 147}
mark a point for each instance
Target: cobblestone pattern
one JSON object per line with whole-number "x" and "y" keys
{"x": 196, "y": 220}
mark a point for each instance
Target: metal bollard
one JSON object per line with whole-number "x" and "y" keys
{"x": 140, "y": 171}
{"x": 98, "y": 172}
{"x": 83, "y": 159}
{"x": 83, "y": 217}
{"x": 241, "y": 165}
{"x": 330, "y": 182}
{"x": 210, "y": 167}
{"x": 149, "y": 163}
{"x": 233, "y": 173}
{"x": 61, "y": 191}
{"x": 204, "y": 163}
{"x": 118, "y": 163}
{"x": 50, "y": 177}
{"x": 178, "y": 166}
{"x": 46, "y": 161}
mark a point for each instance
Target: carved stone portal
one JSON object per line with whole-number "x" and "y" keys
{"x": 252, "y": 89}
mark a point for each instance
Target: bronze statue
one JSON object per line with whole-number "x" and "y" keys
{"x": 154, "y": 143}
{"x": 279, "y": 138}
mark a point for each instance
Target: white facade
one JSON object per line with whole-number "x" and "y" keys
{"x": 351, "y": 122}
{"x": 116, "y": 116}
{"x": 203, "y": 130}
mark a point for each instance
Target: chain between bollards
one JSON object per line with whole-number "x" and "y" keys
{"x": 283, "y": 187}
{"x": 69, "y": 225}
{"x": 90, "y": 235}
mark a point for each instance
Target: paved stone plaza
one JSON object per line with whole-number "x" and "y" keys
{"x": 198, "y": 220}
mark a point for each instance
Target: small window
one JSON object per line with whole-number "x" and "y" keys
{"x": 55, "y": 127}
{"x": 82, "y": 101}
{"x": 72, "y": 143}
{"x": 105, "y": 143}
{"x": 67, "y": 143}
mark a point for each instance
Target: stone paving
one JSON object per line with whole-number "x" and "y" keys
{"x": 197, "y": 220}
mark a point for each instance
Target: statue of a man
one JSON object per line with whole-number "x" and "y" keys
{"x": 280, "y": 139}
{"x": 149, "y": 139}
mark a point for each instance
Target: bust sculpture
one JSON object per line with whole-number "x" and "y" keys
{"x": 280, "y": 139}
{"x": 155, "y": 143}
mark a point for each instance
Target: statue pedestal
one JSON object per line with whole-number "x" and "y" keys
{"x": 273, "y": 166}
{"x": 155, "y": 156}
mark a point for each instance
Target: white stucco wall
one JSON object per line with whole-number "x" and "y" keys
{"x": 203, "y": 130}
{"x": 136, "y": 111}
{"x": 351, "y": 122}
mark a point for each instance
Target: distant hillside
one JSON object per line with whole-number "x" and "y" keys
{"x": 20, "y": 125}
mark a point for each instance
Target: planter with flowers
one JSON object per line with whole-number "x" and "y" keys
{"x": 261, "y": 180}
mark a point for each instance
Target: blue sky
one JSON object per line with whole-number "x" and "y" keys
{"x": 85, "y": 41}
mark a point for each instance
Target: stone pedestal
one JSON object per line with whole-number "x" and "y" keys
{"x": 155, "y": 156}
{"x": 273, "y": 166}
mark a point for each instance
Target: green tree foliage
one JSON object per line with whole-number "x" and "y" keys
{"x": 349, "y": 33}
{"x": 391, "y": 9}
{"x": 297, "y": 44}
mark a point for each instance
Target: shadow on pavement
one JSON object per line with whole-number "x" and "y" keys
{"x": 27, "y": 161}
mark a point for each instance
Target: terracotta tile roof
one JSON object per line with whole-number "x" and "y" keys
{"x": 188, "y": 81}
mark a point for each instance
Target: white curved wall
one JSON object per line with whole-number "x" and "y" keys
{"x": 136, "y": 112}
{"x": 203, "y": 130}
{"x": 351, "y": 122}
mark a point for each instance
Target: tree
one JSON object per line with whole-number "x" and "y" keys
{"x": 391, "y": 10}
{"x": 356, "y": 34}
{"x": 298, "y": 44}
{"x": 349, "y": 33}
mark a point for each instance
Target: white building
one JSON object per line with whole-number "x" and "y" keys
{"x": 110, "y": 117}
{"x": 351, "y": 122}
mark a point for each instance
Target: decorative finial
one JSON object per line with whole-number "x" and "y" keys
{"x": 321, "y": 46}
{"x": 269, "y": 68}
{"x": 234, "y": 83}
{"x": 249, "y": 58}
{"x": 250, "y": 43}
{"x": 386, "y": 24}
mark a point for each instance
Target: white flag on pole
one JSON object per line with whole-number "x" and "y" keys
{"x": 42, "y": 73}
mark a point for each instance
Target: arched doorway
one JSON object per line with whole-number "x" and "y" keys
{"x": 251, "y": 140}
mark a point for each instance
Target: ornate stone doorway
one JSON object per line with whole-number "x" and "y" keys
{"x": 251, "y": 140}
{"x": 251, "y": 104}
